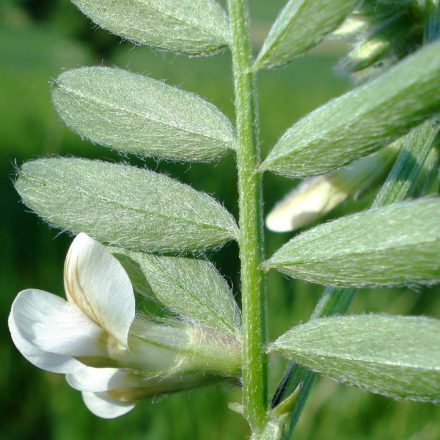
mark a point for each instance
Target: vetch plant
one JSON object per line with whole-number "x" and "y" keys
{"x": 143, "y": 234}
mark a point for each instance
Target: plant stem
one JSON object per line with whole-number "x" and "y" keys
{"x": 418, "y": 144}
{"x": 432, "y": 25}
{"x": 254, "y": 366}
{"x": 428, "y": 179}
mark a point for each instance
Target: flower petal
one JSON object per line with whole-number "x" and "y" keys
{"x": 47, "y": 361}
{"x": 53, "y": 325}
{"x": 103, "y": 379}
{"x": 102, "y": 405}
{"x": 97, "y": 283}
{"x": 307, "y": 202}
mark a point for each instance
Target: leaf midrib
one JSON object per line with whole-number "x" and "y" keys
{"x": 229, "y": 326}
{"x": 360, "y": 360}
{"x": 144, "y": 211}
{"x": 194, "y": 25}
{"x": 356, "y": 253}
{"x": 146, "y": 116}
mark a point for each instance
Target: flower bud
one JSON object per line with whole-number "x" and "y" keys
{"x": 383, "y": 33}
{"x": 318, "y": 195}
{"x": 175, "y": 347}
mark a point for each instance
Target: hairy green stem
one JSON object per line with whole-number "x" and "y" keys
{"x": 428, "y": 179}
{"x": 432, "y": 25}
{"x": 254, "y": 366}
{"x": 418, "y": 144}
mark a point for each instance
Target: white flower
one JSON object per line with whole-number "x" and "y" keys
{"x": 94, "y": 338}
{"x": 55, "y": 334}
{"x": 318, "y": 195}
{"x": 306, "y": 203}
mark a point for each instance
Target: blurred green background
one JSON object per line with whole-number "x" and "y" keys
{"x": 40, "y": 38}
